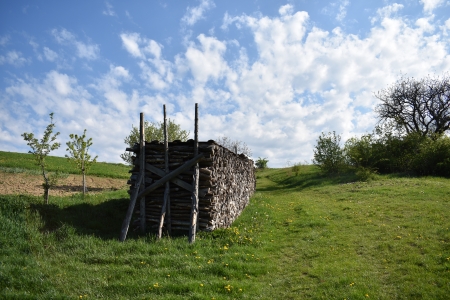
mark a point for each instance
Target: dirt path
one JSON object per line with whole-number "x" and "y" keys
{"x": 22, "y": 183}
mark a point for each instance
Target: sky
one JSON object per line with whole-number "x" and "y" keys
{"x": 272, "y": 74}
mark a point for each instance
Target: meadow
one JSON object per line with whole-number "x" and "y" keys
{"x": 303, "y": 236}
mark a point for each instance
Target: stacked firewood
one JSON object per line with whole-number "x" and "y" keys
{"x": 226, "y": 183}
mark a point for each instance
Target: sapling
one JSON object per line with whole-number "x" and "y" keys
{"x": 40, "y": 150}
{"x": 78, "y": 149}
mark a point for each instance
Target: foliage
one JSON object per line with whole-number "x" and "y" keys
{"x": 154, "y": 132}
{"x": 417, "y": 105}
{"x": 303, "y": 237}
{"x": 40, "y": 149}
{"x": 25, "y": 163}
{"x": 433, "y": 157}
{"x": 328, "y": 154}
{"x": 79, "y": 154}
{"x": 261, "y": 163}
{"x": 234, "y": 145}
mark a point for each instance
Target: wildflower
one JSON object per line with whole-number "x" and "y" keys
{"x": 201, "y": 284}
{"x": 367, "y": 295}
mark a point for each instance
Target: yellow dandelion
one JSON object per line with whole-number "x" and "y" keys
{"x": 201, "y": 284}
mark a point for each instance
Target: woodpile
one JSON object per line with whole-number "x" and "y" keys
{"x": 226, "y": 183}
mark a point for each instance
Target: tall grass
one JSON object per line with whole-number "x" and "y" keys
{"x": 301, "y": 237}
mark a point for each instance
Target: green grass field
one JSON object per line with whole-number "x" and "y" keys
{"x": 301, "y": 237}
{"x": 24, "y": 162}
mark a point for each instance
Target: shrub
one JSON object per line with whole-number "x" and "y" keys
{"x": 261, "y": 163}
{"x": 328, "y": 155}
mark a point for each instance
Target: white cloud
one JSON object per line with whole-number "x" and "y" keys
{"x": 430, "y": 5}
{"x": 4, "y": 40}
{"x": 109, "y": 11}
{"x": 194, "y": 14}
{"x": 131, "y": 43}
{"x": 49, "y": 54}
{"x": 14, "y": 58}
{"x": 156, "y": 72}
{"x": 84, "y": 50}
{"x": 386, "y": 12}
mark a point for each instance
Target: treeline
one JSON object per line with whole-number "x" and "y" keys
{"x": 411, "y": 136}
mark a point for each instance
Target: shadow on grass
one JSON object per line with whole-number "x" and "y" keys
{"x": 103, "y": 220}
{"x": 306, "y": 180}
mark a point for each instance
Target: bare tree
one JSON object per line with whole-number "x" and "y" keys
{"x": 417, "y": 105}
{"x": 234, "y": 145}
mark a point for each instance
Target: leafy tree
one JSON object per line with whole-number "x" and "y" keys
{"x": 78, "y": 149}
{"x": 234, "y": 145}
{"x": 261, "y": 163}
{"x": 328, "y": 154}
{"x": 417, "y": 105}
{"x": 40, "y": 149}
{"x": 154, "y": 132}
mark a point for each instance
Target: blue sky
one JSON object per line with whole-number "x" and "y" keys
{"x": 273, "y": 74}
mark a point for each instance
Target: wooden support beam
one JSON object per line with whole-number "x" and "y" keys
{"x": 166, "y": 164}
{"x": 126, "y": 222}
{"x": 194, "y": 210}
{"x": 142, "y": 170}
{"x": 177, "y": 181}
{"x": 171, "y": 175}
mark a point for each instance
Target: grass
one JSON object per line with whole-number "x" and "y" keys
{"x": 304, "y": 236}
{"x": 25, "y": 162}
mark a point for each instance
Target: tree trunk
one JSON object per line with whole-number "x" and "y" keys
{"x": 84, "y": 178}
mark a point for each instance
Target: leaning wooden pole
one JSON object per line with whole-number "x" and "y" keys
{"x": 126, "y": 222}
{"x": 142, "y": 170}
{"x": 166, "y": 166}
{"x": 194, "y": 210}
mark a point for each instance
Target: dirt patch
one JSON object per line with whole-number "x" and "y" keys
{"x": 27, "y": 184}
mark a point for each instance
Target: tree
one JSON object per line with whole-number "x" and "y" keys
{"x": 261, "y": 163}
{"x": 414, "y": 105}
{"x": 78, "y": 149}
{"x": 40, "y": 149}
{"x": 328, "y": 154}
{"x": 234, "y": 145}
{"x": 154, "y": 132}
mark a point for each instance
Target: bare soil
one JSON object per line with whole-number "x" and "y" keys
{"x": 27, "y": 184}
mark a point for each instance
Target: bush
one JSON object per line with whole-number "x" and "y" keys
{"x": 328, "y": 155}
{"x": 433, "y": 157}
{"x": 261, "y": 163}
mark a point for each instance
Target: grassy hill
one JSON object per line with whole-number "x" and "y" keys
{"x": 20, "y": 162}
{"x": 301, "y": 237}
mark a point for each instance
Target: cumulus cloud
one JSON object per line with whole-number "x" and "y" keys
{"x": 156, "y": 72}
{"x": 83, "y": 50}
{"x": 49, "y": 54}
{"x": 194, "y": 14}
{"x": 430, "y": 5}
{"x": 14, "y": 58}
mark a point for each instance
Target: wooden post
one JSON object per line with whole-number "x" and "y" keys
{"x": 142, "y": 171}
{"x": 194, "y": 210}
{"x": 167, "y": 190}
{"x": 126, "y": 222}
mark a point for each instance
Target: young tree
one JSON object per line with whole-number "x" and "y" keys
{"x": 261, "y": 163}
{"x": 328, "y": 154}
{"x": 78, "y": 149}
{"x": 234, "y": 145}
{"x": 40, "y": 149}
{"x": 154, "y": 132}
{"x": 417, "y": 105}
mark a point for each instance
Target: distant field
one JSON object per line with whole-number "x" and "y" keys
{"x": 20, "y": 161}
{"x": 301, "y": 237}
